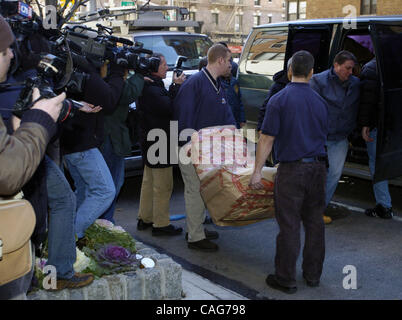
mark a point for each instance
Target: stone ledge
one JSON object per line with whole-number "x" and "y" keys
{"x": 164, "y": 281}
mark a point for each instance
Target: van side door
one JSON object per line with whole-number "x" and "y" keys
{"x": 313, "y": 38}
{"x": 387, "y": 40}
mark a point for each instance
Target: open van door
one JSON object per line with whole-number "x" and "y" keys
{"x": 387, "y": 40}
{"x": 313, "y": 38}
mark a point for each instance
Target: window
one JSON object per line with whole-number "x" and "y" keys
{"x": 215, "y": 18}
{"x": 267, "y": 52}
{"x": 368, "y": 7}
{"x": 238, "y": 22}
{"x": 269, "y": 19}
{"x": 296, "y": 10}
{"x": 257, "y": 20}
{"x": 193, "y": 47}
{"x": 257, "y": 2}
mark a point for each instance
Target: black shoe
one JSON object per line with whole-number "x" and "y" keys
{"x": 273, "y": 283}
{"x": 170, "y": 230}
{"x": 141, "y": 225}
{"x": 312, "y": 283}
{"x": 209, "y": 235}
{"x": 203, "y": 245}
{"x": 380, "y": 212}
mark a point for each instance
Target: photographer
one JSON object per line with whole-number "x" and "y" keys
{"x": 155, "y": 111}
{"x": 21, "y": 152}
{"x": 80, "y": 139}
{"x": 117, "y": 143}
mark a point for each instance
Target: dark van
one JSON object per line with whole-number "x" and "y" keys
{"x": 268, "y": 48}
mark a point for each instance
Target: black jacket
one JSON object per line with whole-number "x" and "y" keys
{"x": 155, "y": 110}
{"x": 369, "y": 95}
{"x": 280, "y": 81}
{"x": 86, "y": 130}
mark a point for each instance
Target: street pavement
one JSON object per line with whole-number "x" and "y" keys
{"x": 369, "y": 246}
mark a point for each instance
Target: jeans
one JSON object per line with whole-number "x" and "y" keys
{"x": 381, "y": 192}
{"x": 94, "y": 185}
{"x": 337, "y": 151}
{"x": 116, "y": 167}
{"x": 61, "y": 236}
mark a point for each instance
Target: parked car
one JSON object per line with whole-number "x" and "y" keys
{"x": 268, "y": 48}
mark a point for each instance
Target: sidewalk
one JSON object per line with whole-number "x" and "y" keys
{"x": 196, "y": 287}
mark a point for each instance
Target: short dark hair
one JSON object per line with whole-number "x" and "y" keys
{"x": 217, "y": 51}
{"x": 302, "y": 63}
{"x": 344, "y": 56}
{"x": 223, "y": 43}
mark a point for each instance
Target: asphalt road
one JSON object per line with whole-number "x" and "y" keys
{"x": 246, "y": 255}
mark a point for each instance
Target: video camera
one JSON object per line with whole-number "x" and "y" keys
{"x": 100, "y": 46}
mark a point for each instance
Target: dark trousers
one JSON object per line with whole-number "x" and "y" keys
{"x": 300, "y": 196}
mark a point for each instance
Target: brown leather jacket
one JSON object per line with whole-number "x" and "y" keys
{"x": 21, "y": 153}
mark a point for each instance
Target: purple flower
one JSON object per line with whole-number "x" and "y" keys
{"x": 114, "y": 257}
{"x": 116, "y": 253}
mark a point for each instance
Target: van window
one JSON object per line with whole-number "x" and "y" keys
{"x": 267, "y": 52}
{"x": 172, "y": 46}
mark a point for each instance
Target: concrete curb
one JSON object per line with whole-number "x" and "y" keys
{"x": 164, "y": 281}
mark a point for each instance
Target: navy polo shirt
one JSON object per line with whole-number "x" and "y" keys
{"x": 298, "y": 119}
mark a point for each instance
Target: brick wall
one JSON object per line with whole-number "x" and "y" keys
{"x": 332, "y": 9}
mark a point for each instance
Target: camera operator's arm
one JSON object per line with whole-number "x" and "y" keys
{"x": 21, "y": 153}
{"x": 105, "y": 93}
{"x": 175, "y": 85}
{"x": 160, "y": 99}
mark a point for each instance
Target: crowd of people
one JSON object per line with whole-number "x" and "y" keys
{"x": 310, "y": 143}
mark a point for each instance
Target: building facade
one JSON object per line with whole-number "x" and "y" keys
{"x": 315, "y": 9}
{"x": 231, "y": 20}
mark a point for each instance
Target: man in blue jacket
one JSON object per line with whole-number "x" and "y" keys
{"x": 200, "y": 103}
{"x": 297, "y": 122}
{"x": 341, "y": 91}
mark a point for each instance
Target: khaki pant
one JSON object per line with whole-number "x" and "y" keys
{"x": 156, "y": 190}
{"x": 195, "y": 207}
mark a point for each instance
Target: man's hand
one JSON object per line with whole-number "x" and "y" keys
{"x": 148, "y": 79}
{"x": 15, "y": 122}
{"x": 51, "y": 106}
{"x": 242, "y": 124}
{"x": 178, "y": 80}
{"x": 365, "y": 134}
{"x": 255, "y": 181}
{"x": 89, "y": 108}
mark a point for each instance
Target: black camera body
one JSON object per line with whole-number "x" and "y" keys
{"x": 177, "y": 69}
{"x": 50, "y": 67}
